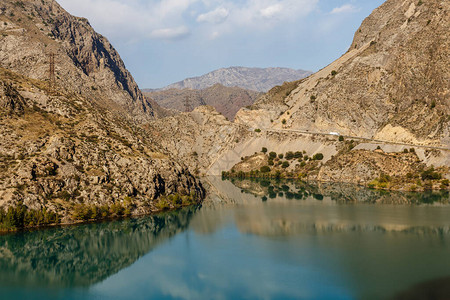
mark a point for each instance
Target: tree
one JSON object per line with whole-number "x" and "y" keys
{"x": 264, "y": 150}
{"x": 285, "y": 164}
{"x": 289, "y": 155}
{"x": 318, "y": 156}
{"x": 272, "y": 154}
{"x": 280, "y": 156}
{"x": 265, "y": 169}
{"x": 298, "y": 154}
{"x": 341, "y": 138}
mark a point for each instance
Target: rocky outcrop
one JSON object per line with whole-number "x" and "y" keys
{"x": 65, "y": 150}
{"x": 85, "y": 62}
{"x": 226, "y": 100}
{"x": 198, "y": 138}
{"x": 392, "y": 84}
{"x": 255, "y": 79}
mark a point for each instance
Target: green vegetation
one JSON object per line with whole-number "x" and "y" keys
{"x": 285, "y": 164}
{"x": 265, "y": 169}
{"x": 430, "y": 174}
{"x": 257, "y": 130}
{"x": 20, "y": 217}
{"x": 289, "y": 155}
{"x": 283, "y": 121}
{"x": 272, "y": 155}
{"x": 381, "y": 182}
{"x": 83, "y": 212}
{"x": 318, "y": 156}
{"x": 341, "y": 138}
{"x": 264, "y": 150}
{"x": 333, "y": 73}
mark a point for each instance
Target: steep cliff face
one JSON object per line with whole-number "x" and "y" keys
{"x": 57, "y": 152}
{"x": 76, "y": 145}
{"x": 392, "y": 84}
{"x": 85, "y": 62}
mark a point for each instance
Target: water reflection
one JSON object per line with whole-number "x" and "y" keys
{"x": 291, "y": 207}
{"x": 250, "y": 239}
{"x": 86, "y": 254}
{"x": 338, "y": 192}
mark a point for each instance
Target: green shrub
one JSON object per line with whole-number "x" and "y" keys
{"x": 20, "y": 216}
{"x": 430, "y": 174}
{"x": 333, "y": 73}
{"x": 271, "y": 163}
{"x": 341, "y": 138}
{"x": 264, "y": 150}
{"x": 312, "y": 98}
{"x": 280, "y": 156}
{"x": 257, "y": 130}
{"x": 298, "y": 154}
{"x": 285, "y": 164}
{"x": 318, "y": 156}
{"x": 283, "y": 121}
{"x": 289, "y": 155}
{"x": 265, "y": 169}
{"x": 272, "y": 155}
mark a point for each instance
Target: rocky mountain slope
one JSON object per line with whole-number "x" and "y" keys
{"x": 389, "y": 91}
{"x": 76, "y": 149}
{"x": 85, "y": 62}
{"x": 255, "y": 79}
{"x": 197, "y": 138}
{"x": 392, "y": 84}
{"x": 226, "y": 100}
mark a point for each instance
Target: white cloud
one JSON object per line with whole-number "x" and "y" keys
{"x": 346, "y": 8}
{"x": 217, "y": 16}
{"x": 170, "y": 33}
{"x": 135, "y": 20}
{"x": 271, "y": 11}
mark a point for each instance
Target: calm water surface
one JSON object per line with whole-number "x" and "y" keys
{"x": 250, "y": 240}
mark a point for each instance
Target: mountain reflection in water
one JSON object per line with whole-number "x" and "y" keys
{"x": 85, "y": 254}
{"x": 250, "y": 239}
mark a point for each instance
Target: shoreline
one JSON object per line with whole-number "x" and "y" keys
{"x": 94, "y": 221}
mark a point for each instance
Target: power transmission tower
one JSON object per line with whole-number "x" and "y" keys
{"x": 187, "y": 104}
{"x": 52, "y": 78}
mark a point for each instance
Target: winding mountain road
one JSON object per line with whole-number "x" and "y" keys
{"x": 357, "y": 138}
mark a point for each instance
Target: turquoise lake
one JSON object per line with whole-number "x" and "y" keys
{"x": 249, "y": 240}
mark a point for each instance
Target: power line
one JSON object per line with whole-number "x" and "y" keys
{"x": 187, "y": 104}
{"x": 52, "y": 77}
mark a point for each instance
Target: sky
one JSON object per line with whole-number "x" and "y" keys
{"x": 165, "y": 41}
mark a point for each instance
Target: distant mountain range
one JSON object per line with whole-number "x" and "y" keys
{"x": 226, "y": 100}
{"x": 255, "y": 79}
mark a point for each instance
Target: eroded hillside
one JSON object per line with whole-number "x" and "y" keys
{"x": 392, "y": 84}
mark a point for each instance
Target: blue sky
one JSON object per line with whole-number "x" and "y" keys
{"x": 164, "y": 41}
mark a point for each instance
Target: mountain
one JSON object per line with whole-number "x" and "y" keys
{"x": 85, "y": 62}
{"x": 387, "y": 98}
{"x": 392, "y": 84}
{"x": 255, "y": 79}
{"x": 76, "y": 148}
{"x": 226, "y": 100}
